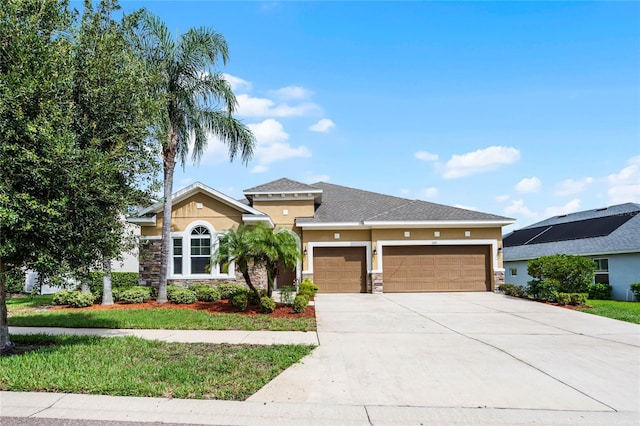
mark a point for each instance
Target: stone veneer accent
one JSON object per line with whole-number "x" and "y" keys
{"x": 150, "y": 270}
{"x": 498, "y": 278}
{"x": 376, "y": 284}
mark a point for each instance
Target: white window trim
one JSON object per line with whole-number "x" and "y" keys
{"x": 312, "y": 245}
{"x": 186, "y": 254}
{"x": 492, "y": 243}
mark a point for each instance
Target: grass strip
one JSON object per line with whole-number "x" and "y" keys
{"x": 130, "y": 366}
{"x": 167, "y": 319}
{"x": 623, "y": 311}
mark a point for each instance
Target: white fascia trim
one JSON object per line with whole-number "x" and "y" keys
{"x": 150, "y": 237}
{"x": 143, "y": 221}
{"x": 437, "y": 223}
{"x": 301, "y": 192}
{"x": 313, "y": 244}
{"x": 331, "y": 225}
{"x": 192, "y": 189}
{"x": 249, "y": 218}
{"x": 492, "y": 243}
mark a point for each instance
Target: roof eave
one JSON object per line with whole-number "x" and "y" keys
{"x": 438, "y": 223}
{"x": 250, "y": 218}
{"x": 143, "y": 221}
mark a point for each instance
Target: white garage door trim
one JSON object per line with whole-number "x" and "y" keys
{"x": 312, "y": 245}
{"x": 492, "y": 243}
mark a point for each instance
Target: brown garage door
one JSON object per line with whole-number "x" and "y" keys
{"x": 339, "y": 269}
{"x": 436, "y": 268}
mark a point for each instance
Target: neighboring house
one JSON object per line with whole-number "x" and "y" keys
{"x": 352, "y": 240}
{"x": 610, "y": 236}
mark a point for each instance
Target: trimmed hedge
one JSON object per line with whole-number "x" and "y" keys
{"x": 137, "y": 294}
{"x": 177, "y": 294}
{"x": 300, "y": 303}
{"x": 307, "y": 288}
{"x": 205, "y": 293}
{"x": 513, "y": 290}
{"x": 73, "y": 298}
{"x": 267, "y": 305}
{"x": 240, "y": 300}
{"x": 600, "y": 291}
{"x": 635, "y": 288}
{"x": 229, "y": 289}
{"x": 118, "y": 280}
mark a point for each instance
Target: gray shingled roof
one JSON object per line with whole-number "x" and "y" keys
{"x": 344, "y": 204}
{"x": 624, "y": 239}
{"x": 281, "y": 185}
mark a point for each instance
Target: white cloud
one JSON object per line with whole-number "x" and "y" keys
{"x": 268, "y": 131}
{"x": 404, "y": 191}
{"x": 572, "y": 186}
{"x": 311, "y": 178}
{"x": 237, "y": 84}
{"x": 291, "y": 93}
{"x": 426, "y": 156}
{"x": 624, "y": 186}
{"x": 322, "y": 126}
{"x": 570, "y": 207}
{"x": 502, "y": 198}
{"x": 259, "y": 169}
{"x": 272, "y": 145}
{"x": 517, "y": 207}
{"x": 480, "y": 161}
{"x": 531, "y": 184}
{"x": 462, "y": 206}
{"x": 249, "y": 106}
{"x": 430, "y": 192}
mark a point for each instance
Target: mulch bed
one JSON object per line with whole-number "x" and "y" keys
{"x": 219, "y": 307}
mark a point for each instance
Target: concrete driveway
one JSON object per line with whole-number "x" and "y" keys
{"x": 464, "y": 350}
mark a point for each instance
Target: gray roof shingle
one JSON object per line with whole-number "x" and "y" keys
{"x": 344, "y": 204}
{"x": 624, "y": 239}
{"x": 281, "y": 185}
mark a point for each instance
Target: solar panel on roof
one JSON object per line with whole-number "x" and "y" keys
{"x": 580, "y": 229}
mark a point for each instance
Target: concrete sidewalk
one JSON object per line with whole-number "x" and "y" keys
{"x": 117, "y": 409}
{"x": 186, "y": 336}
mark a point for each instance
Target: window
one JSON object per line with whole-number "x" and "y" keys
{"x": 177, "y": 256}
{"x": 200, "y": 250}
{"x": 513, "y": 272}
{"x": 602, "y": 271}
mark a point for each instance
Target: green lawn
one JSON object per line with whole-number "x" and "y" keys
{"x": 30, "y": 312}
{"x": 136, "y": 367}
{"x": 624, "y": 311}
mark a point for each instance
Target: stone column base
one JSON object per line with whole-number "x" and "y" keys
{"x": 376, "y": 283}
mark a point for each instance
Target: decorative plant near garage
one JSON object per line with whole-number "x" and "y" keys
{"x": 561, "y": 278}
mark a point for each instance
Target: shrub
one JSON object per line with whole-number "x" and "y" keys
{"x": 253, "y": 299}
{"x": 578, "y": 299}
{"x": 546, "y": 290}
{"x": 137, "y": 294}
{"x": 62, "y": 297}
{"x": 15, "y": 281}
{"x": 513, "y": 290}
{"x": 573, "y": 274}
{"x": 229, "y": 289}
{"x": 80, "y": 299}
{"x": 118, "y": 280}
{"x": 635, "y": 288}
{"x": 267, "y": 305}
{"x": 240, "y": 300}
{"x": 564, "y": 298}
{"x": 181, "y": 295}
{"x": 308, "y": 288}
{"x": 600, "y": 291}
{"x": 300, "y": 303}
{"x": 205, "y": 293}
{"x": 287, "y": 294}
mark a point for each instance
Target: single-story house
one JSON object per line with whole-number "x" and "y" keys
{"x": 351, "y": 240}
{"x": 609, "y": 235}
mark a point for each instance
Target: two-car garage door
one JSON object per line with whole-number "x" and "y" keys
{"x": 436, "y": 268}
{"x": 410, "y": 268}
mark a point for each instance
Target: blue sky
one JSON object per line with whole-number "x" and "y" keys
{"x": 523, "y": 109}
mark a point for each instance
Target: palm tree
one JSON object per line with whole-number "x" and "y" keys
{"x": 272, "y": 248}
{"x": 235, "y": 246}
{"x": 197, "y": 101}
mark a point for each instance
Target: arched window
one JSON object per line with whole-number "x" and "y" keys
{"x": 200, "y": 250}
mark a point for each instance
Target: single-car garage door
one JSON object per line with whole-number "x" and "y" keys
{"x": 339, "y": 269}
{"x": 435, "y": 268}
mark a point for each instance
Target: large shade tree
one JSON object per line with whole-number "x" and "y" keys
{"x": 198, "y": 103}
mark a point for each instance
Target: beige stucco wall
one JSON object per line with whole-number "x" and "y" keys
{"x": 218, "y": 214}
{"x": 275, "y": 210}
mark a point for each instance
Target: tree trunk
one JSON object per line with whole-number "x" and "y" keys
{"x": 272, "y": 274}
{"x": 247, "y": 279}
{"x": 107, "y": 295}
{"x": 5, "y": 341}
{"x": 169, "y": 164}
